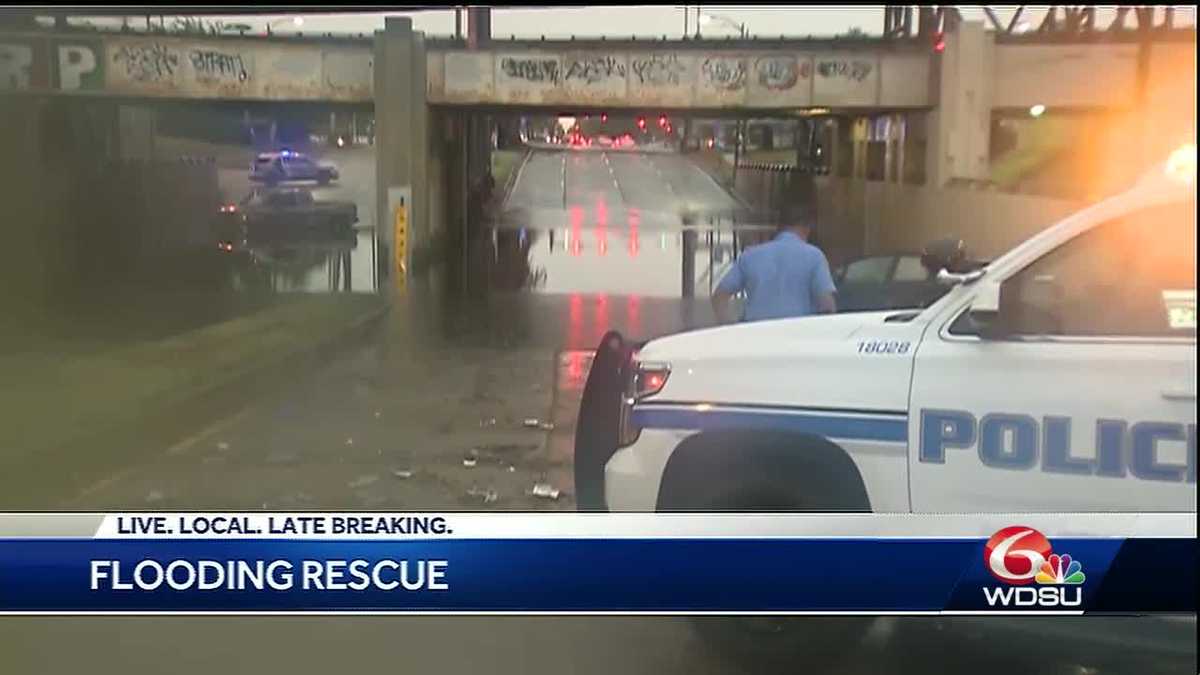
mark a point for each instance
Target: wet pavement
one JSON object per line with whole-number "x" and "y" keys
{"x": 463, "y": 402}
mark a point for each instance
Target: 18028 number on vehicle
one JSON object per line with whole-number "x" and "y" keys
{"x": 883, "y": 347}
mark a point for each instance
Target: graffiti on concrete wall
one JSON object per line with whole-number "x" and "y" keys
{"x": 780, "y": 73}
{"x": 593, "y": 69}
{"x": 541, "y": 70}
{"x": 724, "y": 72}
{"x": 151, "y": 62}
{"x": 211, "y": 64}
{"x": 657, "y": 69}
{"x": 846, "y": 70}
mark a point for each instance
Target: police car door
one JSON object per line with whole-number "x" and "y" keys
{"x": 1085, "y": 399}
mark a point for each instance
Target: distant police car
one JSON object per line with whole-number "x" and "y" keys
{"x": 287, "y": 165}
{"x": 1062, "y": 377}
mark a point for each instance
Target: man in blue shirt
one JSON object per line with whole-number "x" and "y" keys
{"x": 784, "y": 277}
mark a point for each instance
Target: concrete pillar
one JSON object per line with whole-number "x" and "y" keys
{"x": 479, "y": 26}
{"x": 401, "y": 144}
{"x": 688, "y": 268}
{"x": 960, "y": 125}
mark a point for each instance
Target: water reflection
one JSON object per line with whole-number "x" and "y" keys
{"x": 563, "y": 287}
{"x": 344, "y": 263}
{"x": 601, "y": 259}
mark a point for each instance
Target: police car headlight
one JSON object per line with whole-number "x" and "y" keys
{"x": 645, "y": 379}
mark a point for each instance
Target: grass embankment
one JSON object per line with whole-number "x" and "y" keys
{"x": 504, "y": 162}
{"x": 64, "y": 414}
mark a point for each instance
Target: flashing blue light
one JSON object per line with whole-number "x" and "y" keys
{"x": 286, "y": 153}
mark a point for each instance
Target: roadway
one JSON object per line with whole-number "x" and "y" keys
{"x": 607, "y": 187}
{"x": 610, "y": 224}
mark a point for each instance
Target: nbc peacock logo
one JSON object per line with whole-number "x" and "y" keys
{"x": 1019, "y": 556}
{"x": 1060, "y": 569}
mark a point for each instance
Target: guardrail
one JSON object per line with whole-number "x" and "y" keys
{"x": 785, "y": 167}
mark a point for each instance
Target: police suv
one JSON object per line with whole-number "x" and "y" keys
{"x": 1062, "y": 377}
{"x": 1059, "y": 378}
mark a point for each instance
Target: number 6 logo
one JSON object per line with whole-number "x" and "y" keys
{"x": 1014, "y": 554}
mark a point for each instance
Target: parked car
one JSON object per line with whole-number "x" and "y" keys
{"x": 286, "y": 165}
{"x": 282, "y": 214}
{"x": 895, "y": 280}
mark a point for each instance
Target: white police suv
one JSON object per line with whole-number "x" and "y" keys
{"x": 1062, "y": 377}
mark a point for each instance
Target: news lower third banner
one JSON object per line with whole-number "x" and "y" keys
{"x": 525, "y": 563}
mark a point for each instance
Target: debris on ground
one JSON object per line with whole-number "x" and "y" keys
{"x": 489, "y": 422}
{"x": 362, "y": 481}
{"x": 222, "y": 446}
{"x": 349, "y": 441}
{"x": 488, "y": 496}
{"x": 545, "y": 491}
{"x": 470, "y": 462}
{"x": 535, "y": 423}
{"x": 402, "y": 474}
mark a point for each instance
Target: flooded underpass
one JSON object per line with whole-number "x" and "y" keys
{"x": 462, "y": 397}
{"x": 465, "y": 394}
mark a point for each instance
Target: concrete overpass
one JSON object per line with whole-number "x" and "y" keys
{"x": 761, "y": 74}
{"x": 424, "y": 90}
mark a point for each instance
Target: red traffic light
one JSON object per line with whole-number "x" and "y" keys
{"x": 939, "y": 43}
{"x": 662, "y": 120}
{"x": 603, "y": 117}
{"x": 641, "y": 122}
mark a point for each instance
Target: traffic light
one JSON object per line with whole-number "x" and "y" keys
{"x": 662, "y": 121}
{"x": 641, "y": 122}
{"x": 603, "y": 117}
{"x": 939, "y": 43}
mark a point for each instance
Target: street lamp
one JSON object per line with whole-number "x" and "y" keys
{"x": 706, "y": 18}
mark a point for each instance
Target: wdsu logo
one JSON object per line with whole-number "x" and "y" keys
{"x": 1019, "y": 556}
